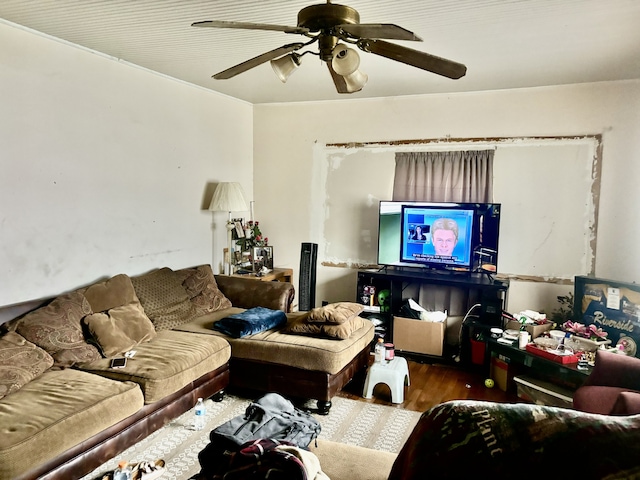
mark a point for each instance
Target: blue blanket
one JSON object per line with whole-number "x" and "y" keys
{"x": 251, "y": 321}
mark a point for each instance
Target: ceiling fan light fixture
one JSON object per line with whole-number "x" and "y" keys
{"x": 356, "y": 81}
{"x": 285, "y": 66}
{"x": 345, "y": 62}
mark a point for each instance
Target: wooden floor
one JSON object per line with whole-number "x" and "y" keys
{"x": 430, "y": 385}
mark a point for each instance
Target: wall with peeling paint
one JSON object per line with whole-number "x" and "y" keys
{"x": 533, "y": 222}
{"x": 290, "y": 155}
{"x": 106, "y": 168}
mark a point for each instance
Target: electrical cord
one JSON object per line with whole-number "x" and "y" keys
{"x": 464, "y": 320}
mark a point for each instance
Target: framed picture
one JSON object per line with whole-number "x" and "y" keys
{"x": 238, "y": 229}
{"x": 262, "y": 257}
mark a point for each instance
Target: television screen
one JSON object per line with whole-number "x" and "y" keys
{"x": 436, "y": 235}
{"x": 457, "y": 236}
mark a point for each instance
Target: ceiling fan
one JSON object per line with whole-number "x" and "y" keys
{"x": 335, "y": 27}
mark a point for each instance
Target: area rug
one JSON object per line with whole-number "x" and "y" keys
{"x": 379, "y": 427}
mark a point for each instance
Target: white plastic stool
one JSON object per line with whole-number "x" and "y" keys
{"x": 394, "y": 373}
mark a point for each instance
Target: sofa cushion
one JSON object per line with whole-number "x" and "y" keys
{"x": 335, "y": 313}
{"x": 352, "y": 462}
{"x": 201, "y": 286}
{"x": 168, "y": 363}
{"x": 55, "y": 412}
{"x": 164, "y": 299}
{"x": 57, "y": 329}
{"x": 274, "y": 346}
{"x": 120, "y": 329}
{"x": 20, "y": 362}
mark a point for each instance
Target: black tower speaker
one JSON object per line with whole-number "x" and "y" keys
{"x": 307, "y": 289}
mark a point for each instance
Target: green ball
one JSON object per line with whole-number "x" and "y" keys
{"x": 489, "y": 383}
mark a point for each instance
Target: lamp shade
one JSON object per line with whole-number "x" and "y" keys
{"x": 345, "y": 62}
{"x": 228, "y": 197}
{"x": 355, "y": 81}
{"x": 285, "y": 66}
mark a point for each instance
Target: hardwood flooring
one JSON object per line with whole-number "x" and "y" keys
{"x": 430, "y": 385}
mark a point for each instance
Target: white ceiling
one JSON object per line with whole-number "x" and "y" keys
{"x": 503, "y": 43}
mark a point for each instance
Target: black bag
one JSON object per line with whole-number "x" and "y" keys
{"x": 270, "y": 417}
{"x": 408, "y": 312}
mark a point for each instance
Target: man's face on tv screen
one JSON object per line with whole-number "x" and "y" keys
{"x": 444, "y": 241}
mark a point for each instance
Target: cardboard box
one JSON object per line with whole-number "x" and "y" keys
{"x": 502, "y": 373}
{"x": 534, "y": 330}
{"x": 418, "y": 336}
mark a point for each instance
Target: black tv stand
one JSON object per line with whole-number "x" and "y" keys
{"x": 443, "y": 277}
{"x": 483, "y": 288}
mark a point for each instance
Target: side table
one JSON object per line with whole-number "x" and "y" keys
{"x": 394, "y": 373}
{"x": 275, "y": 275}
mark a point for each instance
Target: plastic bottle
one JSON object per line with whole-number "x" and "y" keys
{"x": 123, "y": 472}
{"x": 199, "y": 412}
{"x": 379, "y": 351}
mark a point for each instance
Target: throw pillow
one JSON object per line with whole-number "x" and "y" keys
{"x": 300, "y": 326}
{"x": 164, "y": 299}
{"x": 119, "y": 329}
{"x": 114, "y": 292}
{"x": 203, "y": 290}
{"x": 57, "y": 328}
{"x": 20, "y": 362}
{"x": 83, "y": 353}
{"x": 335, "y": 312}
{"x": 343, "y": 330}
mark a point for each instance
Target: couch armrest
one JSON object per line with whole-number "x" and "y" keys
{"x": 250, "y": 293}
{"x": 615, "y": 370}
{"x": 627, "y": 403}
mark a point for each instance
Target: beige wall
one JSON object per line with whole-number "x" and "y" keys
{"x": 290, "y": 140}
{"x": 106, "y": 168}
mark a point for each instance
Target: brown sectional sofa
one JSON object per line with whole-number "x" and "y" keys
{"x": 78, "y": 413}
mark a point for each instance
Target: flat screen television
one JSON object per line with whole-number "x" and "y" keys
{"x": 450, "y": 236}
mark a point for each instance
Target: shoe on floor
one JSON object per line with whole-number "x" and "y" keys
{"x": 147, "y": 470}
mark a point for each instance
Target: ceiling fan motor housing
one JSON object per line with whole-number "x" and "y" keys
{"x": 323, "y": 18}
{"x": 326, "y": 16}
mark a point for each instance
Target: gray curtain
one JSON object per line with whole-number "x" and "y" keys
{"x": 455, "y": 176}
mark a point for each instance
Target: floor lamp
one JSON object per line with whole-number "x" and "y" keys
{"x": 228, "y": 197}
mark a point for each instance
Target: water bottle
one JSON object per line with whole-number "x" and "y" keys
{"x": 379, "y": 351}
{"x": 123, "y": 472}
{"x": 200, "y": 411}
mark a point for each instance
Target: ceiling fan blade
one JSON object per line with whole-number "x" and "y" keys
{"x": 338, "y": 80}
{"x": 250, "y": 26}
{"x": 415, "y": 58}
{"x": 255, "y": 61}
{"x": 380, "y": 30}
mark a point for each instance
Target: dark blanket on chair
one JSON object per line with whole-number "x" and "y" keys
{"x": 471, "y": 439}
{"x": 251, "y": 321}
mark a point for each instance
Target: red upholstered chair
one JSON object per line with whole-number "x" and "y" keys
{"x": 613, "y": 388}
